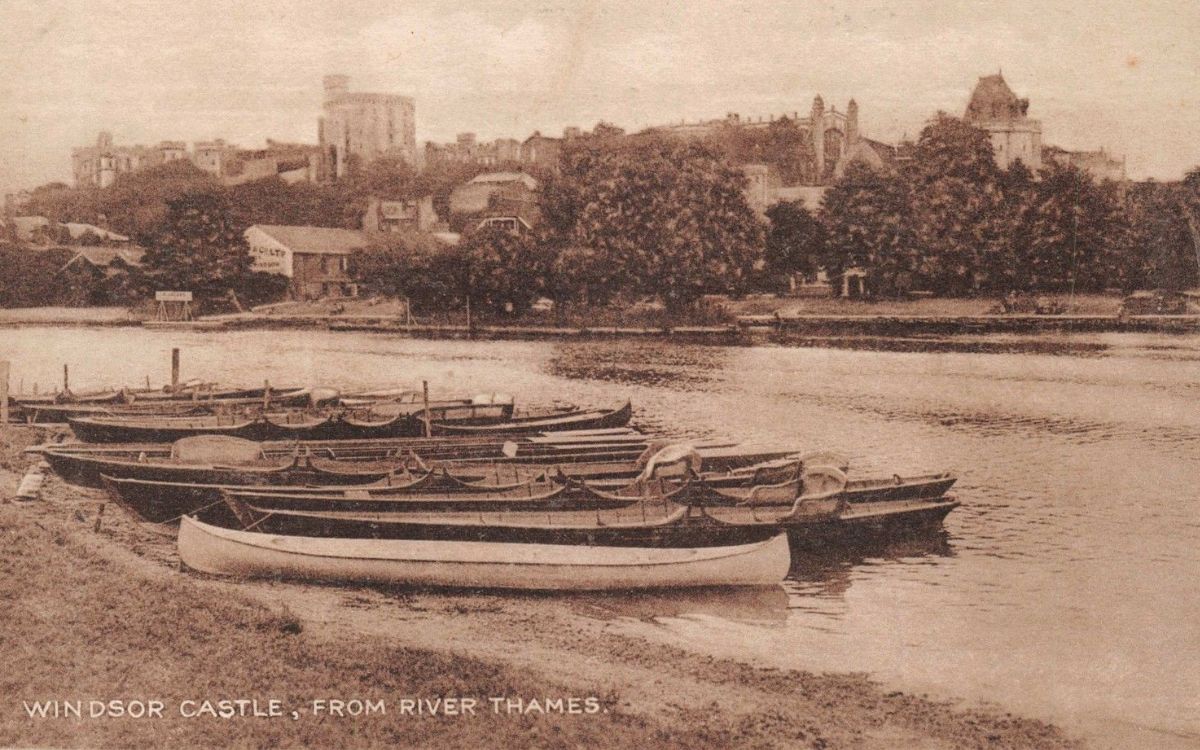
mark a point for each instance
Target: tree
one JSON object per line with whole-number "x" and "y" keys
{"x": 274, "y": 201}
{"x": 200, "y": 249}
{"x": 401, "y": 265}
{"x": 955, "y": 208}
{"x": 867, "y": 222}
{"x": 502, "y": 270}
{"x": 136, "y": 204}
{"x": 1005, "y": 262}
{"x": 1160, "y": 245}
{"x": 795, "y": 242}
{"x": 1074, "y": 225}
{"x": 669, "y": 218}
{"x": 31, "y": 278}
{"x": 60, "y": 203}
{"x": 782, "y": 144}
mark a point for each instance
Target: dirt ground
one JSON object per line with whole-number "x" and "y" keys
{"x": 97, "y": 608}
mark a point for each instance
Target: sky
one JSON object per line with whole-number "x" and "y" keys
{"x": 1122, "y": 75}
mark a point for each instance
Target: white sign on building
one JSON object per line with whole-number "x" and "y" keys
{"x": 268, "y": 254}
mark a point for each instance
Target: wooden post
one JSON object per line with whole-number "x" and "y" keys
{"x": 3, "y": 391}
{"x": 66, "y": 379}
{"x": 174, "y": 368}
{"x": 266, "y": 395}
{"x": 425, "y": 399}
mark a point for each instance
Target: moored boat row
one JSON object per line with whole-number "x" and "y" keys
{"x": 472, "y": 492}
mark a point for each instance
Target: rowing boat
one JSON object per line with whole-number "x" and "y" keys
{"x": 380, "y": 421}
{"x": 588, "y": 460}
{"x": 88, "y": 470}
{"x": 211, "y": 549}
{"x": 582, "y": 420}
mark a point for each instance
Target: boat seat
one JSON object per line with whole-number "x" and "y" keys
{"x": 216, "y": 449}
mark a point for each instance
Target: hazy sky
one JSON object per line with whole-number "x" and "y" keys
{"x": 1125, "y": 75}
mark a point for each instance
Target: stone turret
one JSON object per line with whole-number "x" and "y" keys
{"x": 336, "y": 85}
{"x": 851, "y": 123}
{"x": 818, "y": 134}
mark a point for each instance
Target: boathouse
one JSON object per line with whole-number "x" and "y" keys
{"x": 316, "y": 259}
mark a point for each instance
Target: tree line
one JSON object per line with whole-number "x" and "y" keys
{"x": 949, "y": 221}
{"x": 649, "y": 215}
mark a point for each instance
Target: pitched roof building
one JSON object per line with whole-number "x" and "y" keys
{"x": 107, "y": 259}
{"x": 316, "y": 259}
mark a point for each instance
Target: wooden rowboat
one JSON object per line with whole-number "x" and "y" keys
{"x": 489, "y": 565}
{"x": 582, "y": 420}
{"x": 379, "y": 421}
{"x": 88, "y": 470}
{"x": 649, "y": 522}
{"x": 403, "y": 420}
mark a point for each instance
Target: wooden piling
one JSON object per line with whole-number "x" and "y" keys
{"x": 66, "y": 379}
{"x": 3, "y": 391}
{"x": 266, "y": 395}
{"x": 174, "y": 368}
{"x": 425, "y": 400}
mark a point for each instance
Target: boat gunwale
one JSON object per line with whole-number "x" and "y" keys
{"x": 605, "y": 559}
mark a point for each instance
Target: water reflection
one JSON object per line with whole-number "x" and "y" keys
{"x": 756, "y": 604}
{"x": 653, "y": 363}
{"x": 998, "y": 344}
{"x": 822, "y": 570}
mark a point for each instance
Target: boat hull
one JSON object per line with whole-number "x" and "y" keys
{"x": 583, "y": 420}
{"x": 864, "y": 524}
{"x": 486, "y": 565}
{"x": 88, "y": 471}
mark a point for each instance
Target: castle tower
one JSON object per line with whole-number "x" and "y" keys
{"x": 818, "y": 135}
{"x": 995, "y": 109}
{"x": 357, "y": 128}
{"x": 851, "y": 124}
{"x": 335, "y": 85}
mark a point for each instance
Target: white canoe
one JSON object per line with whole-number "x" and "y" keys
{"x": 493, "y": 565}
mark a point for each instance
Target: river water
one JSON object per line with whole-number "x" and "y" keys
{"x": 1066, "y": 587}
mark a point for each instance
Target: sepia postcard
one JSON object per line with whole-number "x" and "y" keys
{"x": 772, "y": 374}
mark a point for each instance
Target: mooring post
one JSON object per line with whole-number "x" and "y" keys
{"x": 266, "y": 395}
{"x": 66, "y": 379}
{"x": 174, "y": 368}
{"x": 3, "y": 391}
{"x": 425, "y": 399}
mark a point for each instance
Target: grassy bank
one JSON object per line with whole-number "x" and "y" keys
{"x": 106, "y": 615}
{"x": 715, "y": 314}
